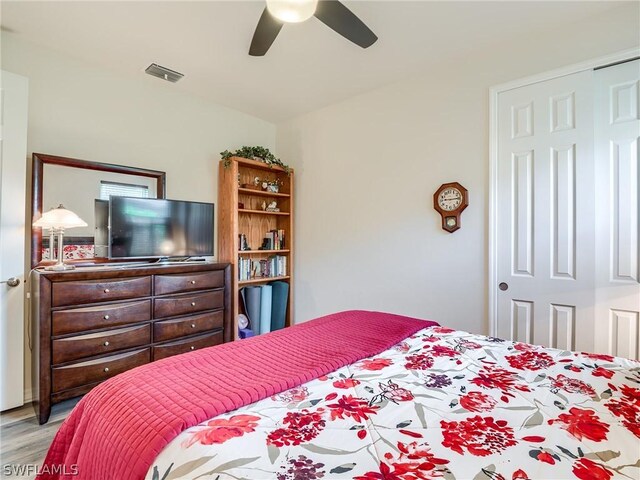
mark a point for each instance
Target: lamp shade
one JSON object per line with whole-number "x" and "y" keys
{"x": 292, "y": 11}
{"x": 59, "y": 217}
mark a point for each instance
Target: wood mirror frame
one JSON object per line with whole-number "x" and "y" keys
{"x": 37, "y": 182}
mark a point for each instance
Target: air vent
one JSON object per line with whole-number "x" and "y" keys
{"x": 163, "y": 73}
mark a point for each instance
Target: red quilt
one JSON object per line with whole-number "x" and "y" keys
{"x": 120, "y": 427}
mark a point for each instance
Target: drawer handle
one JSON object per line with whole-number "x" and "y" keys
{"x": 193, "y": 325}
{"x": 106, "y": 369}
{"x": 192, "y": 347}
{"x": 193, "y": 282}
{"x": 106, "y": 317}
{"x": 193, "y": 304}
{"x": 106, "y": 290}
{"x": 106, "y": 344}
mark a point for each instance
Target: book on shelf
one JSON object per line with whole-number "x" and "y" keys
{"x": 273, "y": 240}
{"x": 273, "y": 266}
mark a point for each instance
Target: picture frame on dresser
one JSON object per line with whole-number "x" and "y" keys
{"x": 91, "y": 324}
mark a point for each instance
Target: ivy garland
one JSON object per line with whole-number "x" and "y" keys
{"x": 255, "y": 153}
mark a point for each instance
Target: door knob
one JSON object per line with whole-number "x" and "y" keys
{"x": 503, "y": 286}
{"x": 12, "y": 282}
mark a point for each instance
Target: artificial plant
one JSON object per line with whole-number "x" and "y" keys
{"x": 255, "y": 153}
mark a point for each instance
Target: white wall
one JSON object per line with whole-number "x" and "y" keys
{"x": 367, "y": 235}
{"x": 80, "y": 111}
{"x": 77, "y": 110}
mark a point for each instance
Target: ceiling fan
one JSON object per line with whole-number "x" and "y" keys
{"x": 332, "y": 13}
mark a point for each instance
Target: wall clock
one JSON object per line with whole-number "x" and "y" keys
{"x": 449, "y": 201}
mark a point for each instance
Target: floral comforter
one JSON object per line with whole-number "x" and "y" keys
{"x": 441, "y": 404}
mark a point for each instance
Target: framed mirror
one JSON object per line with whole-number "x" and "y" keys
{"x": 83, "y": 187}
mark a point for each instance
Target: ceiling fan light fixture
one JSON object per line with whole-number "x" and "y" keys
{"x": 292, "y": 11}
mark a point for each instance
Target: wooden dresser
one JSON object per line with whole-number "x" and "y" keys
{"x": 90, "y": 324}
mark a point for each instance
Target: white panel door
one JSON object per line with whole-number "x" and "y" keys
{"x": 617, "y": 128}
{"x": 545, "y": 210}
{"x": 13, "y": 163}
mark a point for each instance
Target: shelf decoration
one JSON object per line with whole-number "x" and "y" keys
{"x": 261, "y": 154}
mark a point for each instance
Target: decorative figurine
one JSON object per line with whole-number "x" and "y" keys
{"x": 244, "y": 245}
{"x": 273, "y": 207}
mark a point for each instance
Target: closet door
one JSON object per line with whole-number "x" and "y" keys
{"x": 14, "y": 91}
{"x": 617, "y": 128}
{"x": 545, "y": 227}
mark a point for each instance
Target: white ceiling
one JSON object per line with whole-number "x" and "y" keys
{"x": 309, "y": 66}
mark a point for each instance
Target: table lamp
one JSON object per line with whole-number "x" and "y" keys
{"x": 51, "y": 253}
{"x": 57, "y": 219}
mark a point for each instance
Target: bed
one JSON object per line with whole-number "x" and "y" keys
{"x": 373, "y": 396}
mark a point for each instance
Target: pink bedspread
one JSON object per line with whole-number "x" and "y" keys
{"x": 119, "y": 428}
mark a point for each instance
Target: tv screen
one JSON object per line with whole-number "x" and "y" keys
{"x": 144, "y": 227}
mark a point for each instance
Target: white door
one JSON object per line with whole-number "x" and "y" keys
{"x": 545, "y": 210}
{"x": 616, "y": 150}
{"x": 13, "y": 162}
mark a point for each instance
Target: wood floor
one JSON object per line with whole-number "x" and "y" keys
{"x": 23, "y": 441}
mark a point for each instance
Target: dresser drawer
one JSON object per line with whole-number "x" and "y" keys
{"x": 97, "y": 370}
{"x": 180, "y": 305}
{"x": 74, "y": 348}
{"x": 103, "y": 316}
{"x": 94, "y": 291}
{"x": 187, "y": 282}
{"x": 183, "y": 326}
{"x": 186, "y": 345}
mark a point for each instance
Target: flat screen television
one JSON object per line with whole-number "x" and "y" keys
{"x": 155, "y": 228}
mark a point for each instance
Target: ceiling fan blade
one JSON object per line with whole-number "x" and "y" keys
{"x": 338, "y": 17}
{"x": 266, "y": 32}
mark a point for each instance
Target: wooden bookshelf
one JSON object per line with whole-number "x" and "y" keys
{"x": 261, "y": 212}
{"x": 262, "y": 280}
{"x": 254, "y": 222}
{"x": 263, "y": 252}
{"x": 262, "y": 193}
